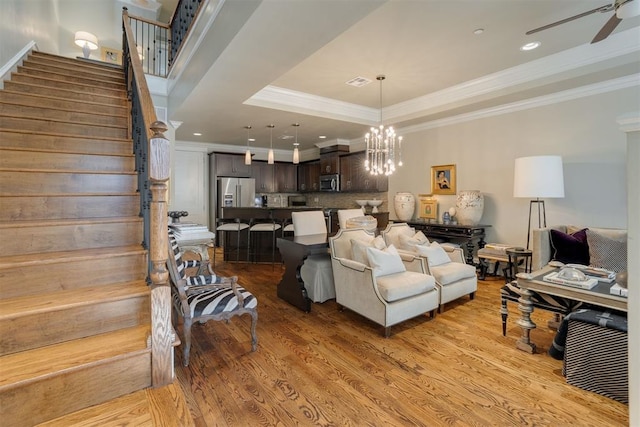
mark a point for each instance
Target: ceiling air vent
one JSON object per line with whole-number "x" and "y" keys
{"x": 358, "y": 81}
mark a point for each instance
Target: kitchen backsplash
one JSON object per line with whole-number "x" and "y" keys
{"x": 330, "y": 200}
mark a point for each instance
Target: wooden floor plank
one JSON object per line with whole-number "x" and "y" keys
{"x": 331, "y": 367}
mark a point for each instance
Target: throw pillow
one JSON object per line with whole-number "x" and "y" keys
{"x": 607, "y": 253}
{"x": 384, "y": 262}
{"x": 570, "y": 248}
{"x": 409, "y": 243}
{"x": 359, "y": 248}
{"x": 435, "y": 254}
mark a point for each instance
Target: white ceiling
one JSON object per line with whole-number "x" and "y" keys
{"x": 287, "y": 61}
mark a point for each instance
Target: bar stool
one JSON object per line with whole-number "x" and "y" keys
{"x": 230, "y": 225}
{"x": 264, "y": 225}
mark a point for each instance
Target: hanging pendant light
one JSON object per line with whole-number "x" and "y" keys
{"x": 381, "y": 146}
{"x": 270, "y": 159}
{"x": 247, "y": 154}
{"x": 296, "y": 152}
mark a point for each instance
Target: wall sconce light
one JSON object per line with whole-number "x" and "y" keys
{"x": 87, "y": 42}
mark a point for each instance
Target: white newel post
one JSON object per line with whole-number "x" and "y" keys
{"x": 631, "y": 125}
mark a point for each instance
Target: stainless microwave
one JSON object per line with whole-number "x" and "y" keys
{"x": 330, "y": 182}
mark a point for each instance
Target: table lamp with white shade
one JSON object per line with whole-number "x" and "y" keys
{"x": 536, "y": 178}
{"x": 87, "y": 42}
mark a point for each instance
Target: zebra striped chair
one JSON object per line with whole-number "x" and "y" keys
{"x": 206, "y": 297}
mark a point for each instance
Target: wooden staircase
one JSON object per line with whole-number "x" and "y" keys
{"x": 74, "y": 304}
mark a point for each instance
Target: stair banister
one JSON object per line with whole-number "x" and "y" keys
{"x": 151, "y": 150}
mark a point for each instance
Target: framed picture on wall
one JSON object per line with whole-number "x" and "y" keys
{"x": 112, "y": 56}
{"x": 443, "y": 179}
{"x": 428, "y": 207}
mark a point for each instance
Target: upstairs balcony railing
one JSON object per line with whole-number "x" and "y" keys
{"x": 158, "y": 44}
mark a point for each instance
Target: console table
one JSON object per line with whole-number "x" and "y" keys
{"x": 467, "y": 235}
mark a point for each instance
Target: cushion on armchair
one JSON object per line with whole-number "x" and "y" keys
{"x": 435, "y": 254}
{"x": 570, "y": 248}
{"x": 451, "y": 272}
{"x": 608, "y": 251}
{"x": 394, "y": 287}
{"x": 409, "y": 242}
{"x": 359, "y": 248}
{"x": 384, "y": 262}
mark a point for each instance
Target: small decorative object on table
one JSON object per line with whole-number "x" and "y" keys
{"x": 375, "y": 203}
{"x": 469, "y": 207}
{"x": 452, "y": 213}
{"x": 404, "y": 204}
{"x": 428, "y": 207}
{"x": 446, "y": 218}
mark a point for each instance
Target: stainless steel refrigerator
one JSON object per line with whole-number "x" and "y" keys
{"x": 236, "y": 193}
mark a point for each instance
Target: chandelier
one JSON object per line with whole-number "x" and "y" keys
{"x": 381, "y": 146}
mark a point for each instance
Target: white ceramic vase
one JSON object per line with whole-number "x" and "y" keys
{"x": 469, "y": 207}
{"x": 404, "y": 205}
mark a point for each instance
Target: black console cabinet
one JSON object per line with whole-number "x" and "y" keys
{"x": 468, "y": 236}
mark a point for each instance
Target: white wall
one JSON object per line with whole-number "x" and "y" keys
{"x": 583, "y": 131}
{"x": 23, "y": 21}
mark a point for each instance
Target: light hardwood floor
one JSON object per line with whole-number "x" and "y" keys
{"x": 335, "y": 368}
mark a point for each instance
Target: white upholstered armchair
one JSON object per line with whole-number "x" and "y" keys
{"x": 454, "y": 277}
{"x": 376, "y": 288}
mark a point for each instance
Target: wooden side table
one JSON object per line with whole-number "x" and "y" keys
{"x": 515, "y": 257}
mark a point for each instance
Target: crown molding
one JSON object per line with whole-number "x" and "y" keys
{"x": 614, "y": 46}
{"x": 540, "y": 101}
{"x": 299, "y": 102}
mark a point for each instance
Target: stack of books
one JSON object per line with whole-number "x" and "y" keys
{"x": 618, "y": 290}
{"x": 582, "y": 284}
{"x": 600, "y": 274}
{"x": 499, "y": 249}
{"x": 190, "y": 231}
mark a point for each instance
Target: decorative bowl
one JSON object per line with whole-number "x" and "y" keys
{"x": 362, "y": 203}
{"x": 375, "y": 203}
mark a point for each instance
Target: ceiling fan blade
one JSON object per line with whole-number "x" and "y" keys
{"x": 605, "y": 8}
{"x": 607, "y": 29}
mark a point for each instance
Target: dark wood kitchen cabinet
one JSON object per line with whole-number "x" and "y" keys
{"x": 286, "y": 178}
{"x": 309, "y": 176}
{"x": 264, "y": 174}
{"x": 232, "y": 165}
{"x": 354, "y": 177}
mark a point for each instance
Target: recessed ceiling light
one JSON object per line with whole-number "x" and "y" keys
{"x": 478, "y": 31}
{"x": 197, "y": 134}
{"x": 530, "y": 46}
{"x": 322, "y": 137}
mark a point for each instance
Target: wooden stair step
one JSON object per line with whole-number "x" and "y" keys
{"x": 34, "y": 160}
{"x": 60, "y": 84}
{"x": 46, "y": 383}
{"x": 34, "y": 183}
{"x": 14, "y": 208}
{"x": 66, "y": 270}
{"x": 44, "y": 141}
{"x": 71, "y": 314}
{"x": 74, "y": 64}
{"x": 11, "y": 109}
{"x": 62, "y": 73}
{"x": 36, "y": 100}
{"x": 69, "y": 128}
{"x": 73, "y": 94}
{"x": 30, "y": 237}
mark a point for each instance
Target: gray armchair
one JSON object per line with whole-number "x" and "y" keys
{"x": 385, "y": 299}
